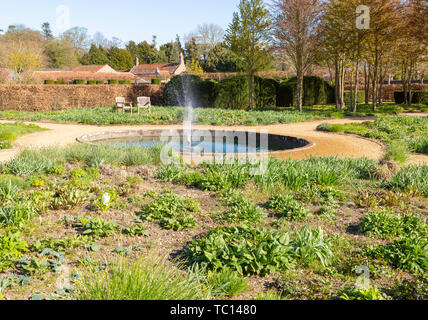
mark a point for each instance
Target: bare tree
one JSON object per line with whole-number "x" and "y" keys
{"x": 295, "y": 30}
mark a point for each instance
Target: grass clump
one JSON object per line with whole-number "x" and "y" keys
{"x": 241, "y": 210}
{"x": 244, "y": 249}
{"x": 148, "y": 278}
{"x": 171, "y": 211}
{"x": 226, "y": 282}
{"x": 413, "y": 179}
{"x": 10, "y": 132}
{"x": 397, "y": 151}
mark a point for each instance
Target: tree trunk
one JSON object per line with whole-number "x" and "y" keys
{"x": 339, "y": 75}
{"x": 251, "y": 90}
{"x": 299, "y": 98}
{"x": 374, "y": 81}
{"x": 356, "y": 79}
{"x": 366, "y": 82}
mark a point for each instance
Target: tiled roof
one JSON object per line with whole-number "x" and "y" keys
{"x": 89, "y": 68}
{"x": 71, "y": 75}
{"x": 145, "y": 69}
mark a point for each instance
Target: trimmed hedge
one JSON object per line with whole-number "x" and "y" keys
{"x": 113, "y": 81}
{"x": 125, "y": 82}
{"x": 418, "y": 96}
{"x": 232, "y": 92}
{"x": 156, "y": 81}
{"x": 316, "y": 91}
{"x": 79, "y": 81}
{"x": 91, "y": 82}
{"x": 49, "y": 81}
{"x": 361, "y": 97}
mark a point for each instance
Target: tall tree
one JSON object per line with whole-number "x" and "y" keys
{"x": 79, "y": 38}
{"x": 96, "y": 56}
{"x": 47, "y": 32}
{"x": 295, "y": 29}
{"x": 61, "y": 53}
{"x": 120, "y": 59}
{"x": 249, "y": 37}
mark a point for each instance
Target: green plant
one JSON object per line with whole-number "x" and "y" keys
{"x": 411, "y": 179}
{"x": 311, "y": 245}
{"x": 105, "y": 200}
{"x": 170, "y": 211}
{"x": 156, "y": 81}
{"x": 241, "y": 210}
{"x": 244, "y": 249}
{"x": 96, "y": 227}
{"x": 149, "y": 278}
{"x": 410, "y": 253}
{"x": 415, "y": 289}
{"x": 67, "y": 197}
{"x": 12, "y": 247}
{"x": 353, "y": 293}
{"x": 113, "y": 81}
{"x": 57, "y": 170}
{"x": 136, "y": 231}
{"x": 79, "y": 81}
{"x": 17, "y": 214}
{"x": 288, "y": 207}
{"x": 397, "y": 151}
{"x": 226, "y": 282}
{"x": 381, "y": 224}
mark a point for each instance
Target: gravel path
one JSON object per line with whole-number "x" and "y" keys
{"x": 324, "y": 143}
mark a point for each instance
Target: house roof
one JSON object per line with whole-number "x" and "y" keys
{"x": 89, "y": 68}
{"x": 144, "y": 69}
{"x": 71, "y": 75}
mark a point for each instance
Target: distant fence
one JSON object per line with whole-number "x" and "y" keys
{"x": 59, "y": 97}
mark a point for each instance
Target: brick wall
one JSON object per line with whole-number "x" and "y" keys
{"x": 57, "y": 97}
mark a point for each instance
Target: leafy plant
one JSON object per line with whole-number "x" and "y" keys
{"x": 12, "y": 247}
{"x": 244, "y": 249}
{"x": 410, "y": 253}
{"x": 96, "y": 227}
{"x": 287, "y": 207}
{"x": 17, "y": 214}
{"x": 311, "y": 245}
{"x": 136, "y": 231}
{"x": 105, "y": 200}
{"x": 353, "y": 293}
{"x": 170, "y": 211}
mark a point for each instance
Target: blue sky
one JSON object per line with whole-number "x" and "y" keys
{"x": 128, "y": 20}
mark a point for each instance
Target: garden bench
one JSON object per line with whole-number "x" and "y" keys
{"x": 144, "y": 103}
{"x": 122, "y": 104}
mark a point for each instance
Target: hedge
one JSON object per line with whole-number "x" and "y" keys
{"x": 419, "y": 96}
{"x": 232, "y": 92}
{"x": 316, "y": 91}
{"x": 361, "y": 97}
{"x": 79, "y": 81}
{"x": 125, "y": 82}
{"x": 156, "y": 81}
{"x": 91, "y": 82}
{"x": 113, "y": 81}
{"x": 49, "y": 81}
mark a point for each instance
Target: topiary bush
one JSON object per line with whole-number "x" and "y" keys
{"x": 233, "y": 93}
{"x": 61, "y": 81}
{"x": 49, "y": 81}
{"x": 113, "y": 81}
{"x": 316, "y": 91}
{"x": 156, "y": 81}
{"x": 91, "y": 82}
{"x": 124, "y": 81}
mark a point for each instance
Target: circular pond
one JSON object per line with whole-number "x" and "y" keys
{"x": 205, "y": 141}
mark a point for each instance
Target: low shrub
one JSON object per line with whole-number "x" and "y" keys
{"x": 49, "y": 81}
{"x": 113, "y": 81}
{"x": 287, "y": 207}
{"x": 156, "y": 81}
{"x": 381, "y": 224}
{"x": 96, "y": 227}
{"x": 91, "y": 82}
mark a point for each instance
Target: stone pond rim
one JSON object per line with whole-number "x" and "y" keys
{"x": 282, "y": 143}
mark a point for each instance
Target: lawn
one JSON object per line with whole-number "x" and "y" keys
{"x": 116, "y": 223}
{"x": 175, "y": 115}
{"x": 10, "y": 132}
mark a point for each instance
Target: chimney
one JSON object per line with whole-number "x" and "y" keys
{"x": 136, "y": 61}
